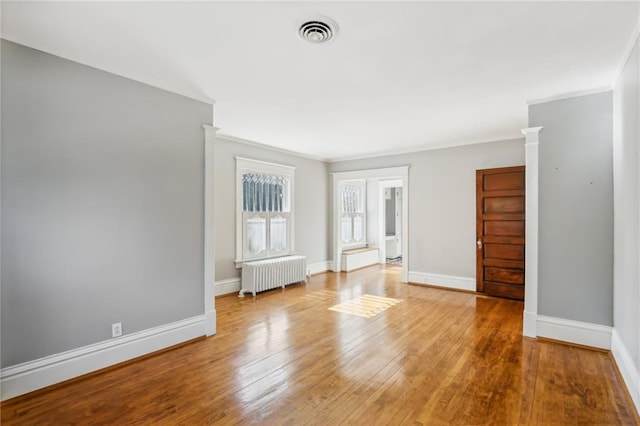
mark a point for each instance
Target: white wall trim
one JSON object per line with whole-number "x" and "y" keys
{"x": 228, "y": 286}
{"x": 448, "y": 281}
{"x": 319, "y": 267}
{"x": 383, "y": 173}
{"x": 532, "y": 142}
{"x": 423, "y": 148}
{"x": 627, "y": 53}
{"x": 268, "y": 147}
{"x": 582, "y": 333}
{"x": 529, "y": 321}
{"x": 570, "y": 95}
{"x": 411, "y": 150}
{"x": 627, "y": 367}
{"x": 209, "y": 234}
{"x": 29, "y": 376}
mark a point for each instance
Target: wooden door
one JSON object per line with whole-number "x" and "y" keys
{"x": 500, "y": 242}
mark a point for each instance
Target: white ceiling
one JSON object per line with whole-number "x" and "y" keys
{"x": 399, "y": 77}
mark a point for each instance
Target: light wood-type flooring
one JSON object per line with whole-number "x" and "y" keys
{"x": 431, "y": 357}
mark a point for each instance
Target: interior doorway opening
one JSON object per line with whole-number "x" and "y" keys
{"x": 391, "y": 218}
{"x": 378, "y": 238}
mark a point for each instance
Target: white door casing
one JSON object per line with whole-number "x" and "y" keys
{"x": 400, "y": 178}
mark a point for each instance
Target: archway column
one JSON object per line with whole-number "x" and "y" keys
{"x": 530, "y": 315}
{"x": 209, "y": 241}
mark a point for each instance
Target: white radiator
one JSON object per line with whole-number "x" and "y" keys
{"x": 266, "y": 274}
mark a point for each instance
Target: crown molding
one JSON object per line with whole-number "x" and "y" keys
{"x": 627, "y": 53}
{"x": 422, "y": 148}
{"x": 570, "y": 95}
{"x": 268, "y": 147}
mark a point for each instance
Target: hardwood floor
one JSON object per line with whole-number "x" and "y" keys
{"x": 435, "y": 357}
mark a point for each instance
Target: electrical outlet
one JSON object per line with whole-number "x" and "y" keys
{"x": 116, "y": 329}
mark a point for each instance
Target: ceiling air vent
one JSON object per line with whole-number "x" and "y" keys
{"x": 319, "y": 29}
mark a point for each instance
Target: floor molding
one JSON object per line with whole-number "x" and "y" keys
{"x": 448, "y": 281}
{"x": 529, "y": 323}
{"x": 582, "y": 333}
{"x": 228, "y": 286}
{"x": 626, "y": 367}
{"x": 32, "y": 375}
{"x": 318, "y": 268}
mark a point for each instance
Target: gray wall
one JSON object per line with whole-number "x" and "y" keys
{"x": 626, "y": 208}
{"x": 102, "y": 205}
{"x": 310, "y": 203}
{"x": 442, "y": 210}
{"x": 576, "y": 208}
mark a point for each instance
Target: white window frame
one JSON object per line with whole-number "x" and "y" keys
{"x": 362, "y": 185}
{"x": 244, "y": 165}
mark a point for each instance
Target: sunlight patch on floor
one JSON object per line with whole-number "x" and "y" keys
{"x": 366, "y": 306}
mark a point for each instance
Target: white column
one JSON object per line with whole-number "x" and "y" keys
{"x": 337, "y": 216}
{"x": 530, "y": 315}
{"x": 209, "y": 241}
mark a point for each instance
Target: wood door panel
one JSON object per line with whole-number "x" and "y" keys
{"x": 503, "y": 181}
{"x": 502, "y": 290}
{"x": 504, "y": 227}
{"x": 503, "y": 275}
{"x": 500, "y": 232}
{"x": 503, "y": 216}
{"x": 489, "y": 239}
{"x": 504, "y": 205}
{"x": 501, "y": 263}
{"x": 504, "y": 251}
{"x": 505, "y": 193}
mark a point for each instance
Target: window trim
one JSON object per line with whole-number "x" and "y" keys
{"x": 257, "y": 166}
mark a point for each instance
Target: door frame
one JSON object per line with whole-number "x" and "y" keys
{"x": 396, "y": 174}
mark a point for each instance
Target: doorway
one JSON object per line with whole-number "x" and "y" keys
{"x": 391, "y": 215}
{"x": 377, "y": 180}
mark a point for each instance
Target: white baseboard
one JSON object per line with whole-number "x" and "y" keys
{"x": 231, "y": 285}
{"x": 627, "y": 367}
{"x": 211, "y": 322}
{"x": 529, "y": 322}
{"x": 318, "y": 268}
{"x": 448, "y": 281}
{"x": 582, "y": 333}
{"x": 29, "y": 376}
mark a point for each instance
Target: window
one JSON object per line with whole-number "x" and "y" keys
{"x": 353, "y": 215}
{"x": 264, "y": 224}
